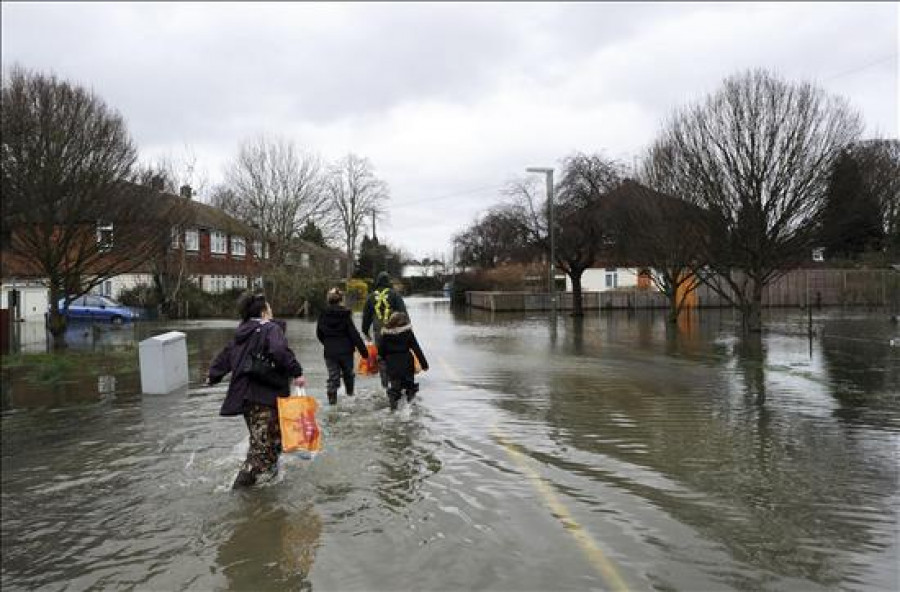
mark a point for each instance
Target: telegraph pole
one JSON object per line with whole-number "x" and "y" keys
{"x": 552, "y": 271}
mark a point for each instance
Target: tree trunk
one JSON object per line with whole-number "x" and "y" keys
{"x": 674, "y": 309}
{"x": 751, "y": 308}
{"x": 56, "y": 321}
{"x": 577, "y": 307}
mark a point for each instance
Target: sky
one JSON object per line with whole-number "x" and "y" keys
{"x": 449, "y": 101}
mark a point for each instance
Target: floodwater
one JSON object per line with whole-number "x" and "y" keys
{"x": 606, "y": 454}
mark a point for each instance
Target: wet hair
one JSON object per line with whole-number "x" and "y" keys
{"x": 397, "y": 319}
{"x": 252, "y": 306}
{"x": 335, "y": 296}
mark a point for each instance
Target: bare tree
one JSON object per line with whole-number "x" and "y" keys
{"x": 70, "y": 216}
{"x": 174, "y": 173}
{"x": 354, "y": 193}
{"x": 660, "y": 233}
{"x": 583, "y": 229}
{"x": 493, "y": 240}
{"x": 276, "y": 188}
{"x": 756, "y": 155}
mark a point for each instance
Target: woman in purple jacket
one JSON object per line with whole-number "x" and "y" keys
{"x": 252, "y": 399}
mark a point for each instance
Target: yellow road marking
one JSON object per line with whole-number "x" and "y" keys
{"x": 588, "y": 544}
{"x": 450, "y": 370}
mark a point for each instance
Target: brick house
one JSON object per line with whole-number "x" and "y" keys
{"x": 204, "y": 245}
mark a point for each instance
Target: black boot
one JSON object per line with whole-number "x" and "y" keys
{"x": 244, "y": 479}
{"x": 332, "y": 398}
{"x": 394, "y": 400}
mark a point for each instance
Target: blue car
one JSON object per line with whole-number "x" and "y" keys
{"x": 91, "y": 307}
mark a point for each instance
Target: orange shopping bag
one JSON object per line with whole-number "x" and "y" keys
{"x": 417, "y": 367}
{"x": 368, "y": 366}
{"x": 297, "y": 419}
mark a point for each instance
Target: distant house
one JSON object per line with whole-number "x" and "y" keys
{"x": 415, "y": 269}
{"x": 620, "y": 267}
{"x": 606, "y": 276}
{"x": 206, "y": 246}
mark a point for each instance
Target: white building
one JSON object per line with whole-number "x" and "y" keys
{"x": 33, "y": 296}
{"x": 607, "y": 278}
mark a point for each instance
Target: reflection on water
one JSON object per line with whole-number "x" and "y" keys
{"x": 283, "y": 550}
{"x": 695, "y": 460}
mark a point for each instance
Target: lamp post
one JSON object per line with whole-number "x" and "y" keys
{"x": 551, "y": 223}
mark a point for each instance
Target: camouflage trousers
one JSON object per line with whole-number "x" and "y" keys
{"x": 265, "y": 439}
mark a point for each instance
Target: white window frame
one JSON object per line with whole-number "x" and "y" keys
{"x": 238, "y": 246}
{"x": 337, "y": 265}
{"x": 192, "y": 239}
{"x": 304, "y": 259}
{"x": 612, "y": 278}
{"x": 176, "y": 237}
{"x": 104, "y": 240}
{"x": 218, "y": 242}
{"x": 257, "y": 249}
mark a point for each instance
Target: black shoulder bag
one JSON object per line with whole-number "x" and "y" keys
{"x": 262, "y": 368}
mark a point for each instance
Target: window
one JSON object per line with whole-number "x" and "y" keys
{"x": 337, "y": 265}
{"x": 107, "y": 288}
{"x": 238, "y": 246}
{"x": 611, "y": 277}
{"x": 218, "y": 283}
{"x": 304, "y": 259}
{"x": 257, "y": 249}
{"x": 265, "y": 250}
{"x": 104, "y": 235}
{"x": 218, "y": 242}
{"x": 192, "y": 240}
{"x": 237, "y": 282}
{"x": 176, "y": 238}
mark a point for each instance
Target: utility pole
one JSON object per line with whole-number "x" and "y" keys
{"x": 552, "y": 223}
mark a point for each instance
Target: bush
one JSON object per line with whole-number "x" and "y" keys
{"x": 141, "y": 296}
{"x": 419, "y": 285}
{"x": 356, "y": 292}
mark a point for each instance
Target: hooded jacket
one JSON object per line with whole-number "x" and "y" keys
{"x": 397, "y": 346}
{"x": 253, "y": 335}
{"x": 382, "y": 282}
{"x": 337, "y": 332}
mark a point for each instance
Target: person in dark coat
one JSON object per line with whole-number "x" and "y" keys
{"x": 381, "y": 303}
{"x": 336, "y": 331}
{"x": 247, "y": 397}
{"x": 398, "y": 344}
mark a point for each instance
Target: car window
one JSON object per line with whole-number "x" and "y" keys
{"x": 108, "y": 301}
{"x": 92, "y": 301}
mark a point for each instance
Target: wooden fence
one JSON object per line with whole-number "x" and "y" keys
{"x": 816, "y": 287}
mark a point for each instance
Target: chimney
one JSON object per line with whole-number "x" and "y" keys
{"x": 186, "y": 191}
{"x": 157, "y": 182}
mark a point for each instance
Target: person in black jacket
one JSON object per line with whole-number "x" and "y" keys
{"x": 250, "y": 398}
{"x": 338, "y": 334}
{"x": 381, "y": 303}
{"x": 398, "y": 344}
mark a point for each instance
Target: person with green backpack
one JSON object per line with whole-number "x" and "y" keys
{"x": 381, "y": 303}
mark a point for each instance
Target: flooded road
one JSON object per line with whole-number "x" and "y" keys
{"x": 606, "y": 454}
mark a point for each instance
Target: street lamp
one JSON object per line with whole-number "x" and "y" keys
{"x": 549, "y": 173}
